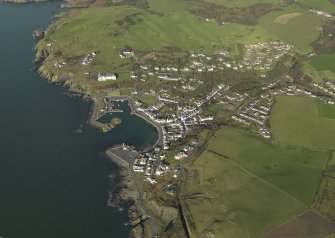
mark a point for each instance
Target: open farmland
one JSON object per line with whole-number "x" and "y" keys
{"x": 300, "y": 30}
{"x": 242, "y": 3}
{"x": 239, "y": 172}
{"x": 284, "y": 19}
{"x": 306, "y": 225}
{"x": 324, "y": 62}
{"x": 324, "y": 200}
{"x": 235, "y": 203}
{"x": 303, "y": 122}
{"x": 276, "y": 165}
{"x": 164, "y": 6}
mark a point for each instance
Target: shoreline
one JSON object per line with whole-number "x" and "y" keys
{"x": 123, "y": 194}
{"x": 94, "y": 114}
{"x": 126, "y": 191}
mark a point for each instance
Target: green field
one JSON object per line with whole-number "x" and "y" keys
{"x": 326, "y": 110}
{"x": 147, "y": 99}
{"x": 299, "y": 31}
{"x": 324, "y": 5}
{"x": 330, "y": 169}
{"x": 242, "y": 205}
{"x": 318, "y": 75}
{"x": 242, "y": 3}
{"x": 276, "y": 165}
{"x": 324, "y": 62}
{"x": 164, "y": 6}
{"x": 254, "y": 185}
{"x": 304, "y": 122}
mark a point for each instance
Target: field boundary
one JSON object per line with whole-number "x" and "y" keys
{"x": 260, "y": 179}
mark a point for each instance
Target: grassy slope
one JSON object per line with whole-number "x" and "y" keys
{"x": 95, "y": 29}
{"x": 242, "y": 3}
{"x": 287, "y": 168}
{"x": 296, "y": 121}
{"x": 324, "y": 62}
{"x": 242, "y": 205}
{"x": 164, "y": 6}
{"x": 300, "y": 31}
{"x": 257, "y": 188}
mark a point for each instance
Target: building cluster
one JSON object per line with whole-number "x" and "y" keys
{"x": 263, "y": 56}
{"x": 328, "y": 88}
{"x": 272, "y": 85}
{"x": 184, "y": 153}
{"x": 321, "y": 13}
{"x": 198, "y": 63}
{"x": 126, "y": 53}
{"x": 256, "y": 113}
{"x": 234, "y": 98}
{"x": 59, "y": 65}
{"x": 89, "y": 58}
{"x": 177, "y": 125}
{"x": 293, "y": 90}
{"x": 152, "y": 165}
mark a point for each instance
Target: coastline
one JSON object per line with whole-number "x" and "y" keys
{"x": 94, "y": 114}
{"x": 127, "y": 192}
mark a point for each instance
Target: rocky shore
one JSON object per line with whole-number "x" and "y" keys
{"x": 124, "y": 194}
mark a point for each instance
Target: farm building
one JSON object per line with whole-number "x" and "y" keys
{"x": 105, "y": 77}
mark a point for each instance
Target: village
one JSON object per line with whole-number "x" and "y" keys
{"x": 176, "y": 120}
{"x": 259, "y": 57}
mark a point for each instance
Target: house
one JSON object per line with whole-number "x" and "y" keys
{"x": 180, "y": 155}
{"x": 133, "y": 75}
{"x": 105, "y": 77}
{"x": 126, "y": 53}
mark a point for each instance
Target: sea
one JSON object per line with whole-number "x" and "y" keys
{"x": 54, "y": 176}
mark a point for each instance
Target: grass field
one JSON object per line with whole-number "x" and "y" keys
{"x": 249, "y": 185}
{"x": 242, "y": 3}
{"x": 324, "y": 5}
{"x": 324, "y": 203}
{"x": 318, "y": 75}
{"x": 306, "y": 225}
{"x": 284, "y": 19}
{"x": 164, "y": 6}
{"x": 277, "y": 165}
{"x": 147, "y": 99}
{"x": 235, "y": 203}
{"x": 300, "y": 31}
{"x": 330, "y": 169}
{"x": 304, "y": 122}
{"x": 324, "y": 62}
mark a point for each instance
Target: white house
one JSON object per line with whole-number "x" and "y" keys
{"x": 126, "y": 53}
{"x": 105, "y": 77}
